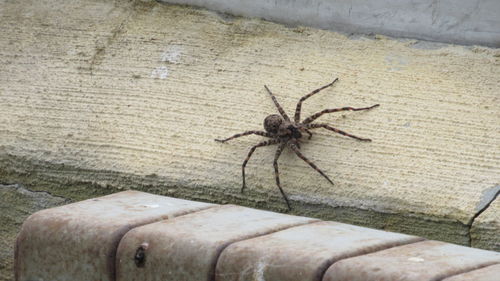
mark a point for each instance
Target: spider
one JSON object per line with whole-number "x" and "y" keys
{"x": 284, "y": 132}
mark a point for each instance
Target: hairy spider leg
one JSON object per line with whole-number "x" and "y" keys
{"x": 260, "y": 133}
{"x": 309, "y": 133}
{"x": 280, "y": 109}
{"x": 264, "y": 143}
{"x": 293, "y": 146}
{"x": 328, "y": 127}
{"x": 277, "y": 173}
{"x": 299, "y": 104}
{"x": 317, "y": 115}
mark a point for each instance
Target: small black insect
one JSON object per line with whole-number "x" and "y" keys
{"x": 285, "y": 132}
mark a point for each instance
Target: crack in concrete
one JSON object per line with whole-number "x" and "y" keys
{"x": 22, "y": 189}
{"x": 98, "y": 56}
{"x": 488, "y": 197}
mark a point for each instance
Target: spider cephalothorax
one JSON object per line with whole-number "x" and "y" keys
{"x": 286, "y": 132}
{"x": 279, "y": 127}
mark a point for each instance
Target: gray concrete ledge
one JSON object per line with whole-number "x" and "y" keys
{"x": 468, "y": 22}
{"x": 139, "y": 236}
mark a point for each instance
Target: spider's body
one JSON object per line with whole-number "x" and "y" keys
{"x": 286, "y": 132}
{"x": 280, "y": 128}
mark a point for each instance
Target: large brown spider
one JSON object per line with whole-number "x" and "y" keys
{"x": 286, "y": 132}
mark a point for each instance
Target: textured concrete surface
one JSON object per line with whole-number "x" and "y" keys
{"x": 453, "y": 21}
{"x": 139, "y": 236}
{"x": 131, "y": 94}
{"x": 489, "y": 273}
{"x": 16, "y": 204}
{"x": 188, "y": 247}
{"x": 303, "y": 252}
{"x": 79, "y": 241}
{"x": 421, "y": 261}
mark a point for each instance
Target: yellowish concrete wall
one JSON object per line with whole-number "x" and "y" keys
{"x": 101, "y": 95}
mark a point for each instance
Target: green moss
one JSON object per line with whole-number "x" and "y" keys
{"x": 16, "y": 204}
{"x": 79, "y": 184}
{"x": 71, "y": 184}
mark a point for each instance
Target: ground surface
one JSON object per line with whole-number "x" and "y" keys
{"x": 98, "y": 96}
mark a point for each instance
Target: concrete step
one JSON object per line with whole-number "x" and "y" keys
{"x": 139, "y": 236}
{"x": 78, "y": 241}
{"x": 131, "y": 94}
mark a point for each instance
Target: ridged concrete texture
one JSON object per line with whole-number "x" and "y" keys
{"x": 426, "y": 260}
{"x": 303, "y": 252}
{"x": 79, "y": 241}
{"x": 188, "y": 248}
{"x": 138, "y": 236}
{"x": 489, "y": 273}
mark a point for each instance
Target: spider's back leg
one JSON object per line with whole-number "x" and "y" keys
{"x": 277, "y": 173}
{"x": 264, "y": 143}
{"x": 295, "y": 149}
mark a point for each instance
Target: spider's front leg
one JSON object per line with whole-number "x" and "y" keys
{"x": 260, "y": 133}
{"x": 328, "y": 127}
{"x": 317, "y": 115}
{"x": 278, "y": 106}
{"x": 309, "y": 133}
{"x": 305, "y": 129}
{"x": 299, "y": 104}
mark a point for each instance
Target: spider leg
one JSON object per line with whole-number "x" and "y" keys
{"x": 280, "y": 109}
{"x": 277, "y": 173}
{"x": 317, "y": 115}
{"x": 264, "y": 143}
{"x": 299, "y": 104}
{"x": 309, "y": 133}
{"x": 260, "y": 133}
{"x": 293, "y": 146}
{"x": 328, "y": 127}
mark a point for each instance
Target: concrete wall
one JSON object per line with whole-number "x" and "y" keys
{"x": 452, "y": 21}
{"x": 131, "y": 94}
